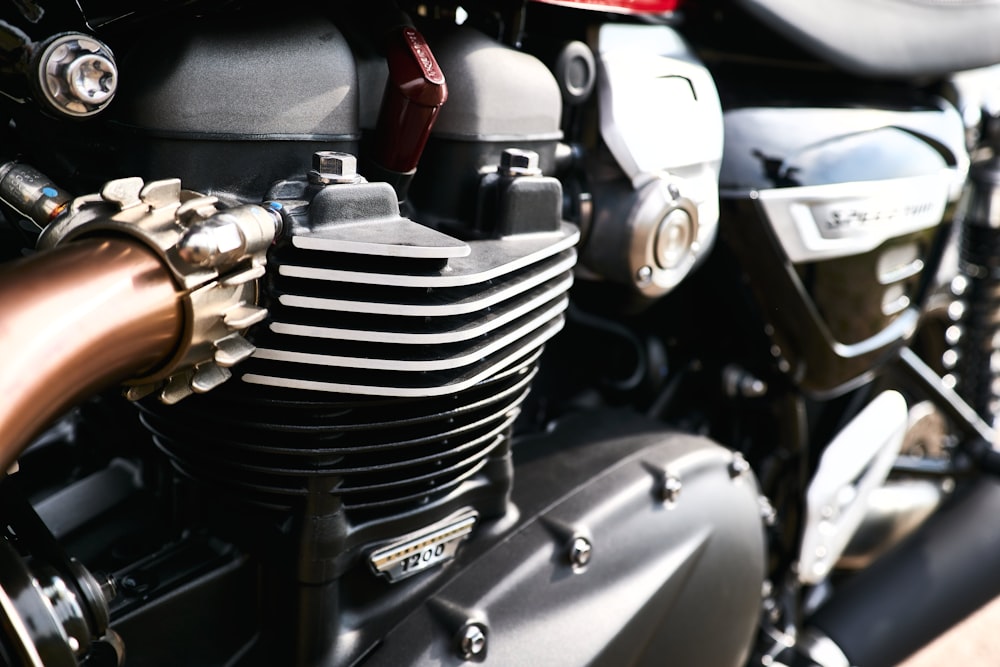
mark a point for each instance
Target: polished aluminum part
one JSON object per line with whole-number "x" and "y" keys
{"x": 77, "y": 75}
{"x": 852, "y": 466}
{"x": 895, "y": 509}
{"x": 664, "y": 233}
{"x": 433, "y": 546}
{"x": 510, "y": 292}
{"x": 662, "y": 122}
{"x": 79, "y": 319}
{"x": 899, "y": 506}
{"x": 214, "y": 255}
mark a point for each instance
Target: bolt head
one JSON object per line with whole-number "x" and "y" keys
{"x": 580, "y": 552}
{"x": 518, "y": 162}
{"x": 77, "y": 74}
{"x": 738, "y": 466}
{"x": 472, "y": 641}
{"x": 670, "y": 489}
{"x": 92, "y": 79}
{"x": 333, "y": 167}
{"x": 644, "y": 276}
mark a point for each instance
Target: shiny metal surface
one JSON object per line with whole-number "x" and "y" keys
{"x": 841, "y": 219}
{"x": 77, "y": 75}
{"x": 213, "y": 253}
{"x": 662, "y": 122}
{"x": 894, "y": 510}
{"x": 77, "y": 320}
{"x": 385, "y": 306}
{"x": 31, "y": 193}
{"x": 851, "y": 468}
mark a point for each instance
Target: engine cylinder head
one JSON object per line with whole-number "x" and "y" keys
{"x": 385, "y": 383}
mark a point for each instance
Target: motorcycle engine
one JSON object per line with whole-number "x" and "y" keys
{"x": 370, "y": 431}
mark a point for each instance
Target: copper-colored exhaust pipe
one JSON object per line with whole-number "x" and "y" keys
{"x": 76, "y": 320}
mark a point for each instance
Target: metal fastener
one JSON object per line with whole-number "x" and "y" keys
{"x": 331, "y": 167}
{"x": 518, "y": 162}
{"x": 738, "y": 466}
{"x": 644, "y": 276}
{"x": 77, "y": 75}
{"x": 670, "y": 489}
{"x": 472, "y": 641}
{"x": 580, "y": 552}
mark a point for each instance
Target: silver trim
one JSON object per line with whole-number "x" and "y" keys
{"x": 396, "y": 237}
{"x": 659, "y": 109}
{"x": 507, "y": 255}
{"x": 854, "y": 464}
{"x": 466, "y": 357}
{"x": 414, "y": 554}
{"x": 829, "y": 221}
{"x": 436, "y": 389}
{"x": 489, "y": 321}
{"x": 478, "y": 301}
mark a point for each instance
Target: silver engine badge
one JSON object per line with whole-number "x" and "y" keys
{"x": 435, "y": 545}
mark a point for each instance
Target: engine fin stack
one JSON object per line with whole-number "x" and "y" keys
{"x": 388, "y": 374}
{"x": 389, "y": 317}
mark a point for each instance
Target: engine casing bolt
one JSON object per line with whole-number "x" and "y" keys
{"x": 644, "y": 276}
{"x": 670, "y": 489}
{"x": 518, "y": 162}
{"x": 580, "y": 552}
{"x": 472, "y": 641}
{"x": 332, "y": 167}
{"x": 738, "y": 466}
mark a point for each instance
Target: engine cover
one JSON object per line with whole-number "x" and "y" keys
{"x": 674, "y": 568}
{"x": 835, "y": 238}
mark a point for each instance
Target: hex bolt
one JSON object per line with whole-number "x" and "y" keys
{"x": 738, "y": 466}
{"x": 670, "y": 489}
{"x": 644, "y": 276}
{"x": 331, "y": 167}
{"x": 518, "y": 162}
{"x": 580, "y": 552}
{"x": 472, "y": 641}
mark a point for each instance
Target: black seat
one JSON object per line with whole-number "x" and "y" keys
{"x": 889, "y": 38}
